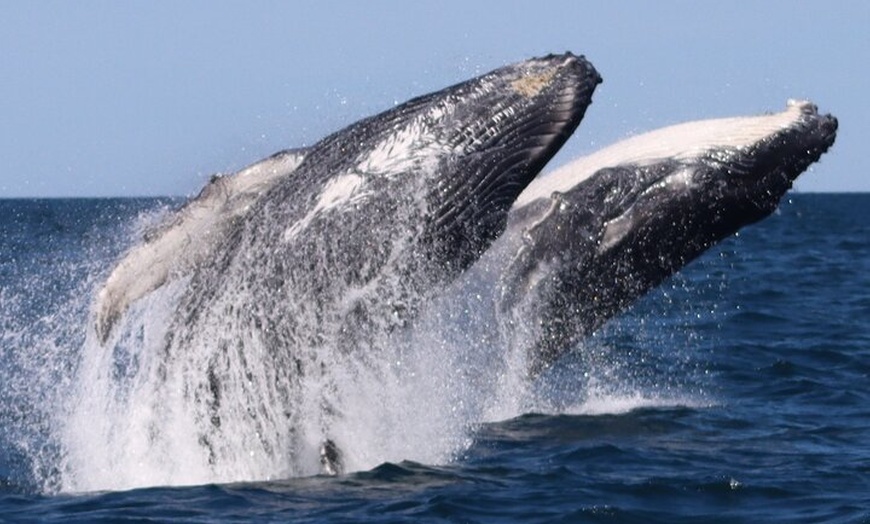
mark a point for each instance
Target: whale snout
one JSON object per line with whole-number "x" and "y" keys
{"x": 567, "y": 62}
{"x": 829, "y": 125}
{"x": 550, "y": 96}
{"x": 565, "y": 75}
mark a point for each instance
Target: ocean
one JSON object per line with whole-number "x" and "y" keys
{"x": 739, "y": 391}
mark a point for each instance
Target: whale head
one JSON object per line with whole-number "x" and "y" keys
{"x": 502, "y": 129}
{"x": 600, "y": 232}
{"x": 397, "y": 205}
{"x": 462, "y": 154}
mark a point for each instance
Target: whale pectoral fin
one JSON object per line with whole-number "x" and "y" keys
{"x": 105, "y": 319}
{"x": 557, "y": 250}
{"x": 189, "y": 236}
{"x": 142, "y": 270}
{"x": 518, "y": 279}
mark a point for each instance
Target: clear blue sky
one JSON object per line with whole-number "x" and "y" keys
{"x": 150, "y": 98}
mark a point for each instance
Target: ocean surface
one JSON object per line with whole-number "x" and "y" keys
{"x": 737, "y": 392}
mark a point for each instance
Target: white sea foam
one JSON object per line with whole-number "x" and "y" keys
{"x": 129, "y": 417}
{"x": 129, "y": 414}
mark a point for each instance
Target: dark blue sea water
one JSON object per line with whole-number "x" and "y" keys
{"x": 738, "y": 392}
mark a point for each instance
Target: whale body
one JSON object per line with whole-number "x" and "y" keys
{"x": 290, "y": 278}
{"x": 586, "y": 241}
{"x": 305, "y": 271}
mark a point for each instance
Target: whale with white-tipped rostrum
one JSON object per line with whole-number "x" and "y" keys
{"x": 586, "y": 241}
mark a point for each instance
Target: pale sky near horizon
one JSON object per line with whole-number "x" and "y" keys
{"x": 140, "y": 98}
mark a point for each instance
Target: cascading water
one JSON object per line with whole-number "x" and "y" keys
{"x": 143, "y": 413}
{"x": 128, "y": 414}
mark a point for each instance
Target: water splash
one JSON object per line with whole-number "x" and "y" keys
{"x": 60, "y": 251}
{"x": 129, "y": 414}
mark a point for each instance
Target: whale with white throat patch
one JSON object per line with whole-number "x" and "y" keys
{"x": 587, "y": 240}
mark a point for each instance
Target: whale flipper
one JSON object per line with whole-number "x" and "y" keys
{"x": 187, "y": 236}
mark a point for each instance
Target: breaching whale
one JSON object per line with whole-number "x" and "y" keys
{"x": 586, "y": 241}
{"x": 341, "y": 244}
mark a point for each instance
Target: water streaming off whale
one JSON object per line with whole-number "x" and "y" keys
{"x": 241, "y": 364}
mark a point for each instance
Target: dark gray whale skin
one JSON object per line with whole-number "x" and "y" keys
{"x": 585, "y": 249}
{"x": 374, "y": 221}
{"x": 434, "y": 179}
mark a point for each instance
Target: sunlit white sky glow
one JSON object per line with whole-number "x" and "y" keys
{"x": 104, "y": 98}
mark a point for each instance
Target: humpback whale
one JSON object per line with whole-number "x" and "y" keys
{"x": 586, "y": 241}
{"x": 322, "y": 252}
